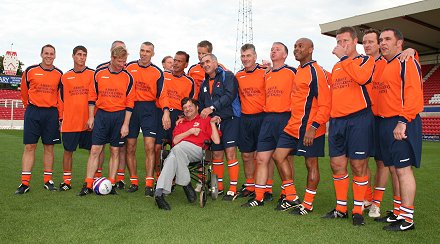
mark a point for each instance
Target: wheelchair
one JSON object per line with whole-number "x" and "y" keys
{"x": 200, "y": 171}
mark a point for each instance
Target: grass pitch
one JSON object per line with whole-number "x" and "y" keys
{"x": 53, "y": 217}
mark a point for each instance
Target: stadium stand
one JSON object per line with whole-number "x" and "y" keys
{"x": 431, "y": 128}
{"x": 432, "y": 87}
{"x": 426, "y": 68}
{"x": 11, "y": 105}
{"x": 10, "y": 94}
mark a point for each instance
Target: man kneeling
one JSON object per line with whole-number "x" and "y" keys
{"x": 188, "y": 139}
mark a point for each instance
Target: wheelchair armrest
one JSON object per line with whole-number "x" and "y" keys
{"x": 165, "y": 142}
{"x": 207, "y": 143}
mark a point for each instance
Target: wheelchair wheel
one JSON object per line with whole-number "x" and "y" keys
{"x": 214, "y": 186}
{"x": 203, "y": 197}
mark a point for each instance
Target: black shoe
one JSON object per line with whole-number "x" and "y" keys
{"x": 400, "y": 225}
{"x": 389, "y": 218}
{"x": 358, "y": 219}
{"x": 242, "y": 188}
{"x": 268, "y": 197}
{"x": 287, "y": 204}
{"x": 230, "y": 196}
{"x": 133, "y": 188}
{"x": 64, "y": 187}
{"x": 173, "y": 188}
{"x": 335, "y": 214}
{"x": 149, "y": 192}
{"x": 253, "y": 203}
{"x": 245, "y": 193}
{"x": 22, "y": 189}
{"x": 113, "y": 191}
{"x": 120, "y": 185}
{"x": 280, "y": 200}
{"x": 301, "y": 210}
{"x": 161, "y": 203}
{"x": 50, "y": 186}
{"x": 84, "y": 191}
{"x": 190, "y": 193}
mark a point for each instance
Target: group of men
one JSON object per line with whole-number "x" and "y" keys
{"x": 270, "y": 112}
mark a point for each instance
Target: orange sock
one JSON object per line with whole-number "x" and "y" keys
{"x": 89, "y": 182}
{"x": 378, "y": 195}
{"x": 283, "y": 192}
{"x": 250, "y": 186}
{"x": 26, "y": 177}
{"x": 269, "y": 183}
{"x": 218, "y": 169}
{"x": 290, "y": 190}
{"x": 149, "y": 181}
{"x": 47, "y": 175}
{"x": 369, "y": 194}
{"x": 309, "y": 197}
{"x": 259, "y": 192}
{"x": 396, "y": 204}
{"x": 233, "y": 169}
{"x": 407, "y": 212}
{"x": 341, "y": 184}
{"x": 121, "y": 175}
{"x": 360, "y": 184}
{"x": 67, "y": 176}
{"x": 98, "y": 173}
{"x": 134, "y": 180}
{"x": 112, "y": 180}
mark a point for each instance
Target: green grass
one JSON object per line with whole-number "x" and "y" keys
{"x": 53, "y": 217}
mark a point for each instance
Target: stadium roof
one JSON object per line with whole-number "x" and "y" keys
{"x": 419, "y": 23}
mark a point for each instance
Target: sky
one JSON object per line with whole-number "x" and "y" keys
{"x": 171, "y": 25}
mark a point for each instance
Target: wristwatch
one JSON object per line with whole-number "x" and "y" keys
{"x": 212, "y": 108}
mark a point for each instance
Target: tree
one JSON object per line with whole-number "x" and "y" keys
{"x": 20, "y": 65}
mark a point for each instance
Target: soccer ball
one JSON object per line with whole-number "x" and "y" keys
{"x": 102, "y": 186}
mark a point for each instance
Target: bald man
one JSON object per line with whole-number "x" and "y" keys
{"x": 304, "y": 134}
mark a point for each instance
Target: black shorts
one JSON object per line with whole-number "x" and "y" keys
{"x": 229, "y": 130}
{"x": 71, "y": 140}
{"x": 41, "y": 122}
{"x": 271, "y": 129}
{"x": 166, "y": 134}
{"x": 407, "y": 152}
{"x": 107, "y": 128}
{"x": 316, "y": 150}
{"x": 250, "y": 125}
{"x": 144, "y": 117}
{"x": 352, "y": 135}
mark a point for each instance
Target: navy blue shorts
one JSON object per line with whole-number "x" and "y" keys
{"x": 402, "y": 153}
{"x": 230, "y": 129}
{"x": 107, "y": 128}
{"x": 250, "y": 125}
{"x": 271, "y": 129}
{"x": 377, "y": 153}
{"x": 316, "y": 150}
{"x": 71, "y": 140}
{"x": 352, "y": 135}
{"x": 144, "y": 117}
{"x": 41, "y": 122}
{"x": 166, "y": 134}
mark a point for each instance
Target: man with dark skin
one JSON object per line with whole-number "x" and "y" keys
{"x": 311, "y": 98}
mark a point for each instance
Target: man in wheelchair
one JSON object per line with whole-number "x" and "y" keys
{"x": 188, "y": 140}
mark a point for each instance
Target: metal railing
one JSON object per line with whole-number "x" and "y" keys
{"x": 8, "y": 121}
